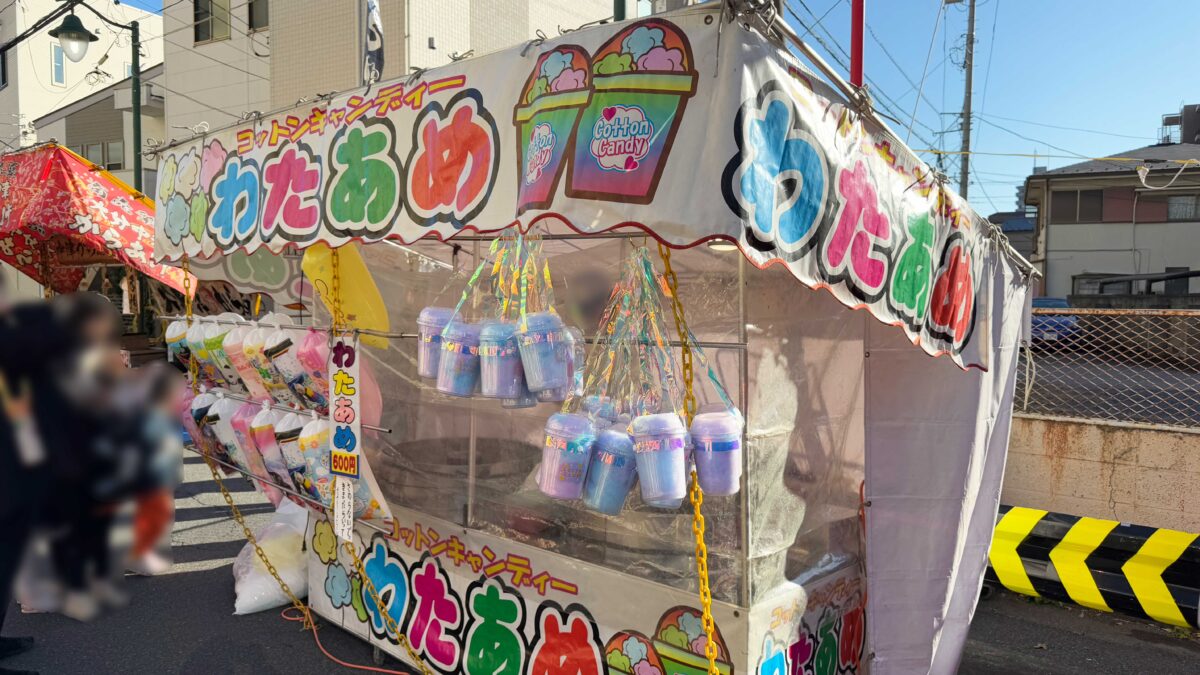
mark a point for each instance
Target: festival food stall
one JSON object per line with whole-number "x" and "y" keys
{"x": 67, "y": 223}
{"x": 640, "y": 350}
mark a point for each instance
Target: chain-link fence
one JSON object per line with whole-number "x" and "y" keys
{"x": 1114, "y": 364}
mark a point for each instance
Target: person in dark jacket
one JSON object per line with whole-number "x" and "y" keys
{"x": 31, "y": 341}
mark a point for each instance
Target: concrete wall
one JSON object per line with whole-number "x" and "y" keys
{"x": 1139, "y": 476}
{"x": 1120, "y": 248}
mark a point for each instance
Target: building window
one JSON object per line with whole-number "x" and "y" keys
{"x": 259, "y": 17}
{"x": 110, "y": 155}
{"x": 1064, "y": 206}
{"x": 114, "y": 155}
{"x": 3, "y": 70}
{"x": 1076, "y": 206}
{"x": 211, "y": 20}
{"x": 1183, "y": 207}
{"x": 58, "y": 66}
{"x": 128, "y": 70}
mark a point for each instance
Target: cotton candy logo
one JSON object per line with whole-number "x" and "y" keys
{"x": 569, "y": 80}
{"x": 539, "y": 152}
{"x": 621, "y": 138}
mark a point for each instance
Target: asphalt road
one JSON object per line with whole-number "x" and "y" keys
{"x": 182, "y": 622}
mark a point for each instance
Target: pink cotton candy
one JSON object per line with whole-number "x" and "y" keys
{"x": 646, "y": 668}
{"x": 699, "y": 644}
{"x": 661, "y": 59}
{"x": 212, "y": 163}
{"x": 569, "y": 79}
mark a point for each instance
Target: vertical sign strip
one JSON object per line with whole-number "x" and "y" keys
{"x": 344, "y": 419}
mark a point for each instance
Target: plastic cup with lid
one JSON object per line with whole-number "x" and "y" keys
{"x": 458, "y": 367}
{"x": 612, "y": 472}
{"x": 500, "y": 371}
{"x": 717, "y": 437}
{"x": 659, "y": 441}
{"x": 430, "y": 323}
{"x": 566, "y": 453}
{"x": 545, "y": 352}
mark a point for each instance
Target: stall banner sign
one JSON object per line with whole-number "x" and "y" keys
{"x": 818, "y": 628}
{"x": 53, "y": 202}
{"x": 344, "y": 414}
{"x": 673, "y": 124}
{"x": 475, "y": 603}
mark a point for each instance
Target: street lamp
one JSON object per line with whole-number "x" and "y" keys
{"x": 74, "y": 39}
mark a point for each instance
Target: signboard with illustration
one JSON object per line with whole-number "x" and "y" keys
{"x": 674, "y": 124}
{"x": 473, "y": 603}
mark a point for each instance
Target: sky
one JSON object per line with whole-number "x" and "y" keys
{"x": 1108, "y": 66}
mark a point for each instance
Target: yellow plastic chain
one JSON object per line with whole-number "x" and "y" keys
{"x": 696, "y": 494}
{"x": 339, "y": 323}
{"x": 193, "y": 370}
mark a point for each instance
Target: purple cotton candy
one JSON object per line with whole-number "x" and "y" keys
{"x": 717, "y": 438}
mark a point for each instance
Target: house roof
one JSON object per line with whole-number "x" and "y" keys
{"x": 1012, "y": 221}
{"x": 1155, "y": 156}
{"x": 95, "y": 97}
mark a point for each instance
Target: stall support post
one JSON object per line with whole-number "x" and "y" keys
{"x": 858, "y": 20}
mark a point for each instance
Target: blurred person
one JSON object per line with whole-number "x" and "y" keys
{"x": 156, "y": 438}
{"x": 31, "y": 342}
{"x": 81, "y": 400}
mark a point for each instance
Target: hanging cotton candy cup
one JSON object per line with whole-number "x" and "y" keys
{"x": 314, "y": 445}
{"x": 574, "y": 342}
{"x": 241, "y": 421}
{"x": 430, "y": 323}
{"x": 280, "y": 348}
{"x": 717, "y": 437}
{"x": 500, "y": 369}
{"x": 545, "y": 352}
{"x": 458, "y": 369}
{"x": 566, "y": 453}
{"x": 612, "y": 472}
{"x": 659, "y": 441}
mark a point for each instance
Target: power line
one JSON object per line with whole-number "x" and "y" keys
{"x": 937, "y": 21}
{"x": 912, "y": 85}
{"x": 885, "y": 101}
{"x": 1065, "y": 128}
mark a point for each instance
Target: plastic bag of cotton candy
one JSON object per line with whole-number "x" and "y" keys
{"x": 283, "y": 541}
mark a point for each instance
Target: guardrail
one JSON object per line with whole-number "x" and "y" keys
{"x": 1102, "y": 564}
{"x": 1122, "y": 365}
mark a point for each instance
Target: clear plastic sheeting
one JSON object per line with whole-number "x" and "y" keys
{"x": 790, "y": 357}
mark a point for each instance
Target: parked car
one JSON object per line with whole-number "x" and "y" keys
{"x": 1052, "y": 328}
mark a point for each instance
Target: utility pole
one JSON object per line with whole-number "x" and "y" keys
{"x": 969, "y": 65}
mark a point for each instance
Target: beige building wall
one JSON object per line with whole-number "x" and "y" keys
{"x": 215, "y": 81}
{"x": 1132, "y": 475}
{"x": 317, "y": 45}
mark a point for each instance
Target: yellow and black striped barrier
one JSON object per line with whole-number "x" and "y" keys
{"x": 1101, "y": 564}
